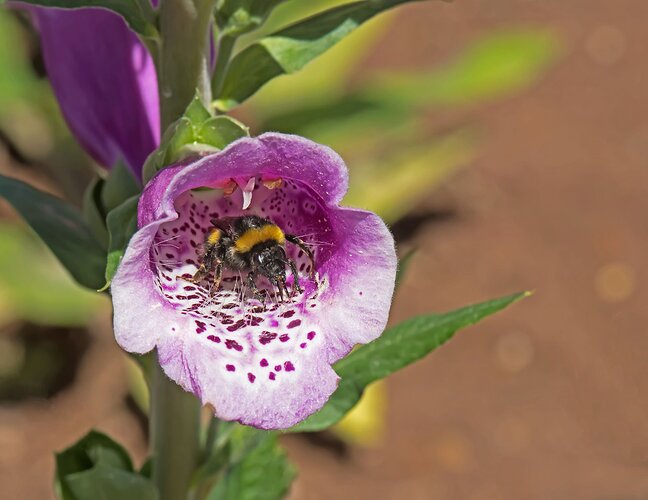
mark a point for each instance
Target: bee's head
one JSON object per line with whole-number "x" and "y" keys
{"x": 271, "y": 262}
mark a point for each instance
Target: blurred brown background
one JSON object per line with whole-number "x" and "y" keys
{"x": 547, "y": 400}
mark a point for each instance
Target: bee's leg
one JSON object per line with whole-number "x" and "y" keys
{"x": 199, "y": 275}
{"x": 293, "y": 270}
{"x": 253, "y": 286}
{"x": 206, "y": 265}
{"x": 296, "y": 240}
{"x": 281, "y": 290}
{"x": 218, "y": 274}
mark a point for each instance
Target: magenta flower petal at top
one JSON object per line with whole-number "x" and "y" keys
{"x": 104, "y": 80}
{"x": 266, "y": 365}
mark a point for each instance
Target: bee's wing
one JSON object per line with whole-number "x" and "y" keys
{"x": 225, "y": 224}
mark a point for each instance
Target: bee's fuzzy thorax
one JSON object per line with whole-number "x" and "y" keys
{"x": 254, "y": 236}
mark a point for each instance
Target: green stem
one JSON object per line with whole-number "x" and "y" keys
{"x": 212, "y": 431}
{"x": 184, "y": 55}
{"x": 183, "y": 69}
{"x": 223, "y": 56}
{"x": 175, "y": 436}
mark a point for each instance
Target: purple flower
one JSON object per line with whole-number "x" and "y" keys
{"x": 267, "y": 366}
{"x": 104, "y": 80}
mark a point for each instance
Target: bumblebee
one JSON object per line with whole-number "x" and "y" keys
{"x": 253, "y": 244}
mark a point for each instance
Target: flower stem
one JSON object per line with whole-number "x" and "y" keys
{"x": 184, "y": 55}
{"x": 183, "y": 70}
{"x": 175, "y": 435}
{"x": 223, "y": 55}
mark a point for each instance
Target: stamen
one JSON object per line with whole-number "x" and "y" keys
{"x": 229, "y": 187}
{"x": 272, "y": 183}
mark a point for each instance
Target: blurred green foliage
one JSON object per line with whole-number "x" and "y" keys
{"x": 379, "y": 125}
{"x": 16, "y": 75}
{"x": 34, "y": 287}
{"x": 30, "y": 118}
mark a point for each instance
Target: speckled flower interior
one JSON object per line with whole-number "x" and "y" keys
{"x": 262, "y": 336}
{"x": 267, "y": 365}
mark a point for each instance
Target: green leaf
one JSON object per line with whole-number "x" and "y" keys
{"x": 104, "y": 195}
{"x": 98, "y": 468}
{"x": 290, "y": 49}
{"x": 326, "y": 78}
{"x": 122, "y": 224}
{"x": 227, "y": 445}
{"x": 219, "y": 131}
{"x": 139, "y": 14}
{"x": 107, "y": 483}
{"x": 92, "y": 448}
{"x": 61, "y": 227}
{"x": 93, "y": 211}
{"x": 397, "y": 348}
{"x": 262, "y": 472}
{"x": 28, "y": 274}
{"x": 120, "y": 185}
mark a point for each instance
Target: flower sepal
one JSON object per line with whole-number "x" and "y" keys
{"x": 197, "y": 133}
{"x": 103, "y": 195}
{"x": 236, "y": 17}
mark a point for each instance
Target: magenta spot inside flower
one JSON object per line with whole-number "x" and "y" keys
{"x": 289, "y": 366}
{"x": 254, "y": 320}
{"x": 267, "y": 337}
{"x": 277, "y": 368}
{"x": 274, "y": 323}
{"x": 272, "y": 376}
{"x": 264, "y": 362}
{"x": 251, "y": 377}
{"x": 230, "y": 368}
{"x": 284, "y": 338}
{"x": 294, "y": 323}
{"x": 310, "y": 335}
{"x": 239, "y": 324}
{"x": 233, "y": 344}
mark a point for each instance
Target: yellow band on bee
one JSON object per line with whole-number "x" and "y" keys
{"x": 251, "y": 237}
{"x": 214, "y": 236}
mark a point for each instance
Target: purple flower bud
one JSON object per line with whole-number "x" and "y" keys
{"x": 104, "y": 80}
{"x": 266, "y": 365}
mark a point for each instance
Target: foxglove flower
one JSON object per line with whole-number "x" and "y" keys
{"x": 267, "y": 366}
{"x": 104, "y": 80}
